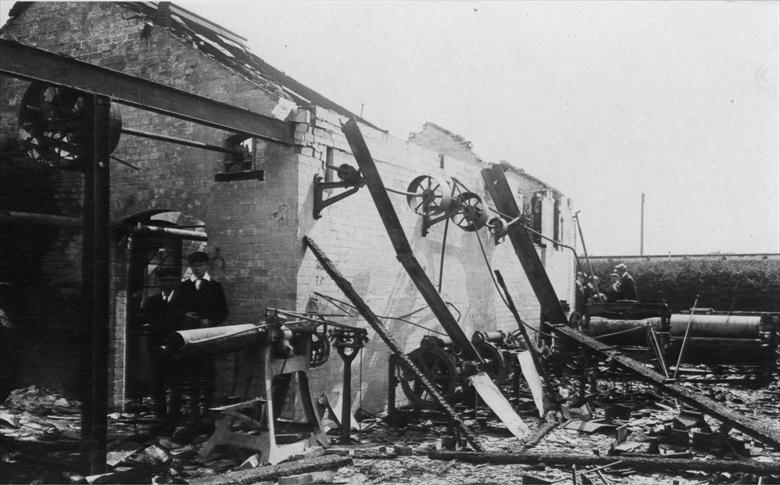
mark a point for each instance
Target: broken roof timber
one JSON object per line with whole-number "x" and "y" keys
{"x": 747, "y": 425}
{"x": 228, "y": 49}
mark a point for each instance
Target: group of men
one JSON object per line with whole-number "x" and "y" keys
{"x": 620, "y": 287}
{"x": 198, "y": 302}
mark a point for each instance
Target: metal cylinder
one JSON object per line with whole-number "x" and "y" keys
{"x": 216, "y": 340}
{"x": 723, "y": 326}
{"x": 494, "y": 336}
{"x": 621, "y": 332}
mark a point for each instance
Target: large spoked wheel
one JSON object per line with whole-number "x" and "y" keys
{"x": 439, "y": 368}
{"x": 471, "y": 215}
{"x": 52, "y": 124}
{"x": 426, "y": 196}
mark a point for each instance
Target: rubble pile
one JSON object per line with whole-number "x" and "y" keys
{"x": 39, "y": 443}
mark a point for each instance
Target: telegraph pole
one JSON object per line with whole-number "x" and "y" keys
{"x": 642, "y": 227}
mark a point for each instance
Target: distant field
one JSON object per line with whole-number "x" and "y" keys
{"x": 739, "y": 285}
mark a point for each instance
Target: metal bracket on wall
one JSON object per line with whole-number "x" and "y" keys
{"x": 350, "y": 178}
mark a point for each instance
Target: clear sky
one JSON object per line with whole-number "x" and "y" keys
{"x": 602, "y": 100}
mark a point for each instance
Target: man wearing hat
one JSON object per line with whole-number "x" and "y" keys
{"x": 204, "y": 306}
{"x": 612, "y": 291}
{"x": 204, "y": 298}
{"x": 160, "y": 315}
{"x": 626, "y": 287}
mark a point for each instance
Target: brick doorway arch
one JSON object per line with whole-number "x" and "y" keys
{"x": 155, "y": 240}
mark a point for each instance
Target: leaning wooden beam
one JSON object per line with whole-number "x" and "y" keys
{"x": 749, "y": 426}
{"x": 401, "y": 244}
{"x": 274, "y": 472}
{"x": 503, "y": 198}
{"x": 346, "y": 287}
{"x": 643, "y": 464}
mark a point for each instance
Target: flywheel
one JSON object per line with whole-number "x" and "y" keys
{"x": 440, "y": 368}
{"x": 53, "y": 126}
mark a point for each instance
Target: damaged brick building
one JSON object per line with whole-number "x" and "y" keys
{"x": 250, "y": 216}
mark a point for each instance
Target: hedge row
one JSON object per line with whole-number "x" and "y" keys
{"x": 726, "y": 285}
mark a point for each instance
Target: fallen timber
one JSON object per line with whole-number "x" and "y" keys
{"x": 763, "y": 433}
{"x": 401, "y": 244}
{"x": 637, "y": 463}
{"x": 272, "y": 473}
{"x": 365, "y": 311}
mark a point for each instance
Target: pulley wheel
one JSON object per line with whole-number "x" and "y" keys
{"x": 320, "y": 349}
{"x": 53, "y": 126}
{"x": 498, "y": 227}
{"x": 426, "y": 196}
{"x": 348, "y": 174}
{"x": 439, "y": 367}
{"x": 471, "y": 215}
{"x": 495, "y": 364}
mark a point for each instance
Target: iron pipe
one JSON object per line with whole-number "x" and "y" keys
{"x": 184, "y": 233}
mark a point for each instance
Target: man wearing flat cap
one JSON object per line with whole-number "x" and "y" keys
{"x": 626, "y": 284}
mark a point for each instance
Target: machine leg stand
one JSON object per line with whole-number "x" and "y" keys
{"x": 348, "y": 343}
{"x": 262, "y": 432}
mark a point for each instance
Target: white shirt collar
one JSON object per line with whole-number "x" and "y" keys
{"x": 206, "y": 277}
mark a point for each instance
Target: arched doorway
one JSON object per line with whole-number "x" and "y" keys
{"x": 155, "y": 240}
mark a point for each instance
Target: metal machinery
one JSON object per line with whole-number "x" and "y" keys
{"x": 273, "y": 355}
{"x": 448, "y": 372}
{"x": 725, "y": 342}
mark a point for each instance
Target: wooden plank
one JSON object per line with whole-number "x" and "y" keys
{"x": 274, "y": 472}
{"x": 498, "y": 403}
{"x": 535, "y": 384}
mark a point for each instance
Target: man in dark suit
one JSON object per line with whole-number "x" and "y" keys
{"x": 627, "y": 284}
{"x": 204, "y": 306}
{"x": 160, "y": 315}
{"x": 204, "y": 298}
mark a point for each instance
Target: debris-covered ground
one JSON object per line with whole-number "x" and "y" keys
{"x": 39, "y": 443}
